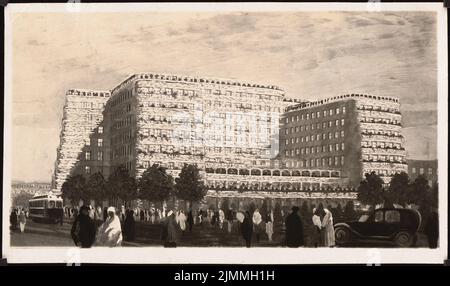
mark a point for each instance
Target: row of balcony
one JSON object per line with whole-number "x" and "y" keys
{"x": 267, "y": 172}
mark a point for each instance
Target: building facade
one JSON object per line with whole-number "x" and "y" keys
{"x": 349, "y": 135}
{"x": 426, "y": 168}
{"x": 82, "y": 139}
{"x": 244, "y": 137}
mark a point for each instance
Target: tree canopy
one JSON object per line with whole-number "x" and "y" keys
{"x": 189, "y": 185}
{"x": 155, "y": 185}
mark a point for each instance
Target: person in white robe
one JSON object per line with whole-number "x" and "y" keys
{"x": 257, "y": 219}
{"x": 110, "y": 232}
{"x": 328, "y": 229}
{"x": 269, "y": 225}
{"x": 182, "y": 221}
{"x": 221, "y": 218}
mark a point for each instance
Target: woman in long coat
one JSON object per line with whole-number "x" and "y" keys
{"x": 294, "y": 229}
{"x": 169, "y": 230}
{"x": 129, "y": 226}
{"x": 83, "y": 229}
{"x": 246, "y": 227}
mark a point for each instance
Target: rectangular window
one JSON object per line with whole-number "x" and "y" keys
{"x": 414, "y": 170}
{"x": 324, "y": 125}
{"x": 312, "y": 150}
{"x": 336, "y": 161}
{"x": 343, "y": 109}
{"x": 342, "y": 122}
{"x": 337, "y": 122}
{"x": 430, "y": 171}
{"x": 324, "y": 161}
{"x": 330, "y": 123}
{"x": 88, "y": 155}
{"x": 421, "y": 171}
{"x": 100, "y": 129}
{"x": 330, "y": 161}
{"x": 342, "y": 133}
{"x": 336, "y": 134}
{"x": 337, "y": 147}
{"x": 318, "y": 126}
{"x": 313, "y": 115}
{"x": 342, "y": 146}
{"x": 330, "y": 148}
{"x": 100, "y": 156}
{"x": 324, "y": 148}
{"x": 307, "y": 116}
{"x": 87, "y": 169}
{"x": 337, "y": 110}
{"x": 331, "y": 112}
{"x": 330, "y": 136}
{"x": 342, "y": 160}
{"x": 99, "y": 142}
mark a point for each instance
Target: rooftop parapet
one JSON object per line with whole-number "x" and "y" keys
{"x": 88, "y": 92}
{"x": 183, "y": 78}
{"x": 310, "y": 104}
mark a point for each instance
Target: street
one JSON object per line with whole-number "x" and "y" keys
{"x": 41, "y": 234}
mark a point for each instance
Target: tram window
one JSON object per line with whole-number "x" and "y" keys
{"x": 59, "y": 204}
{"x": 51, "y": 204}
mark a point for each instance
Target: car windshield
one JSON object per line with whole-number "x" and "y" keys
{"x": 363, "y": 218}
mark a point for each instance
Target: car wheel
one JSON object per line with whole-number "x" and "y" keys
{"x": 342, "y": 235}
{"x": 403, "y": 239}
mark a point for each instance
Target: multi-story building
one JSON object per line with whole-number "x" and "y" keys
{"x": 82, "y": 139}
{"x": 426, "y": 168}
{"x": 347, "y": 135}
{"x": 172, "y": 120}
{"x": 230, "y": 129}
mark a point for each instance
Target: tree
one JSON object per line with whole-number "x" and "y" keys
{"x": 349, "y": 211}
{"x": 155, "y": 184}
{"x": 96, "y": 187}
{"x": 74, "y": 189}
{"x": 225, "y": 206}
{"x": 419, "y": 192}
{"x": 121, "y": 185}
{"x": 21, "y": 199}
{"x": 370, "y": 190}
{"x": 399, "y": 189}
{"x": 305, "y": 212}
{"x": 189, "y": 185}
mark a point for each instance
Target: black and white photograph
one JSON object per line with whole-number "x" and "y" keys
{"x": 225, "y": 133}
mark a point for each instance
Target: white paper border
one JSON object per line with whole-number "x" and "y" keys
{"x": 159, "y": 255}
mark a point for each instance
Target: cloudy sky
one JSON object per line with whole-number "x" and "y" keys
{"x": 309, "y": 54}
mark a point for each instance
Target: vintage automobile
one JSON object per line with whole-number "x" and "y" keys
{"x": 397, "y": 225}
